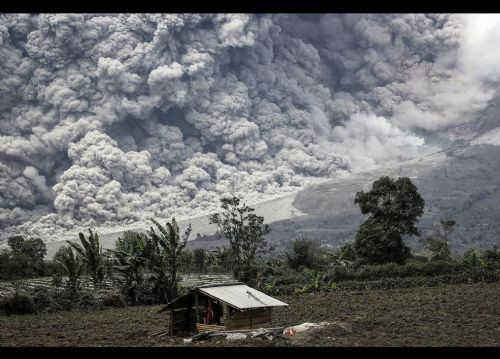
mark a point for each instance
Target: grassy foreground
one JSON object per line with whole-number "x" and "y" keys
{"x": 451, "y": 315}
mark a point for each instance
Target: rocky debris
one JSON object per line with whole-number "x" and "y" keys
{"x": 297, "y": 333}
{"x": 310, "y": 333}
{"x": 303, "y": 327}
{"x": 261, "y": 333}
{"x": 236, "y": 336}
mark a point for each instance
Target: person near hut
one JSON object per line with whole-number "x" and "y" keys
{"x": 210, "y": 312}
{"x": 214, "y": 313}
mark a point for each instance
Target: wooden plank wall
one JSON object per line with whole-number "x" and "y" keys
{"x": 252, "y": 319}
{"x": 184, "y": 320}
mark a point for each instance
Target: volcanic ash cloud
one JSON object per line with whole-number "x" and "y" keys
{"x": 112, "y": 119}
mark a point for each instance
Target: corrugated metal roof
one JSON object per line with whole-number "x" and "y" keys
{"x": 241, "y": 296}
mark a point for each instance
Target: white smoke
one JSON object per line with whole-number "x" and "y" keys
{"x": 112, "y": 119}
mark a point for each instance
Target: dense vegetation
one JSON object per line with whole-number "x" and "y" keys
{"x": 144, "y": 268}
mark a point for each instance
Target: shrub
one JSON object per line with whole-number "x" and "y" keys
{"x": 19, "y": 303}
{"x": 492, "y": 258}
{"x": 437, "y": 247}
{"x": 87, "y": 300}
{"x": 304, "y": 253}
{"x": 43, "y": 299}
{"x": 146, "y": 294}
{"x": 111, "y": 298}
{"x": 472, "y": 258}
{"x": 57, "y": 279}
{"x": 416, "y": 260}
{"x": 64, "y": 299}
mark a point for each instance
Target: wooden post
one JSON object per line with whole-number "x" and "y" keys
{"x": 196, "y": 306}
{"x": 225, "y": 313}
{"x": 172, "y": 321}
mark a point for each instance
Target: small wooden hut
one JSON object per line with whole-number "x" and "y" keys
{"x": 220, "y": 306}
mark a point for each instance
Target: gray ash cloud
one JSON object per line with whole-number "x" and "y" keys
{"x": 119, "y": 118}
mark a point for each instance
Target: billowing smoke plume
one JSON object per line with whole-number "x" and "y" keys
{"x": 120, "y": 118}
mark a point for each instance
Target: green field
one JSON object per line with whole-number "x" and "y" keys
{"x": 451, "y": 315}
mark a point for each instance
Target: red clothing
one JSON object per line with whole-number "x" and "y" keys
{"x": 210, "y": 313}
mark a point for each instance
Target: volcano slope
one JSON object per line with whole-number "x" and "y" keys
{"x": 462, "y": 182}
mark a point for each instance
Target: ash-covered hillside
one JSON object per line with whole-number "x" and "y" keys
{"x": 462, "y": 182}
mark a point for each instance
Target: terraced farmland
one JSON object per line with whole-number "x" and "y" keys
{"x": 188, "y": 280}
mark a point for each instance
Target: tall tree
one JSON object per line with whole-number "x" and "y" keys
{"x": 394, "y": 207}
{"x": 448, "y": 227}
{"x": 245, "y": 232}
{"x": 28, "y": 254}
{"x": 34, "y": 248}
{"x": 92, "y": 255}
{"x": 167, "y": 248}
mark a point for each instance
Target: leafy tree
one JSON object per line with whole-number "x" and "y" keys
{"x": 437, "y": 247}
{"x": 92, "y": 255}
{"x": 60, "y": 253}
{"x": 304, "y": 253}
{"x": 394, "y": 207}
{"x": 26, "y": 257}
{"x": 16, "y": 244}
{"x": 448, "y": 226}
{"x": 186, "y": 261}
{"x": 245, "y": 232}
{"x": 34, "y": 248}
{"x": 199, "y": 257}
{"x": 167, "y": 248}
{"x": 221, "y": 257}
{"x": 437, "y": 244}
{"x": 4, "y": 264}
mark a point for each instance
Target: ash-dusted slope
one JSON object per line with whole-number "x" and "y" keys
{"x": 462, "y": 182}
{"x": 274, "y": 210}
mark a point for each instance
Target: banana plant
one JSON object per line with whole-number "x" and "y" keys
{"x": 92, "y": 255}
{"x": 129, "y": 259}
{"x": 315, "y": 282}
{"x": 72, "y": 266}
{"x": 167, "y": 247}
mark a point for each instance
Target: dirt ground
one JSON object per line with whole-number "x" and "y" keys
{"x": 452, "y": 315}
